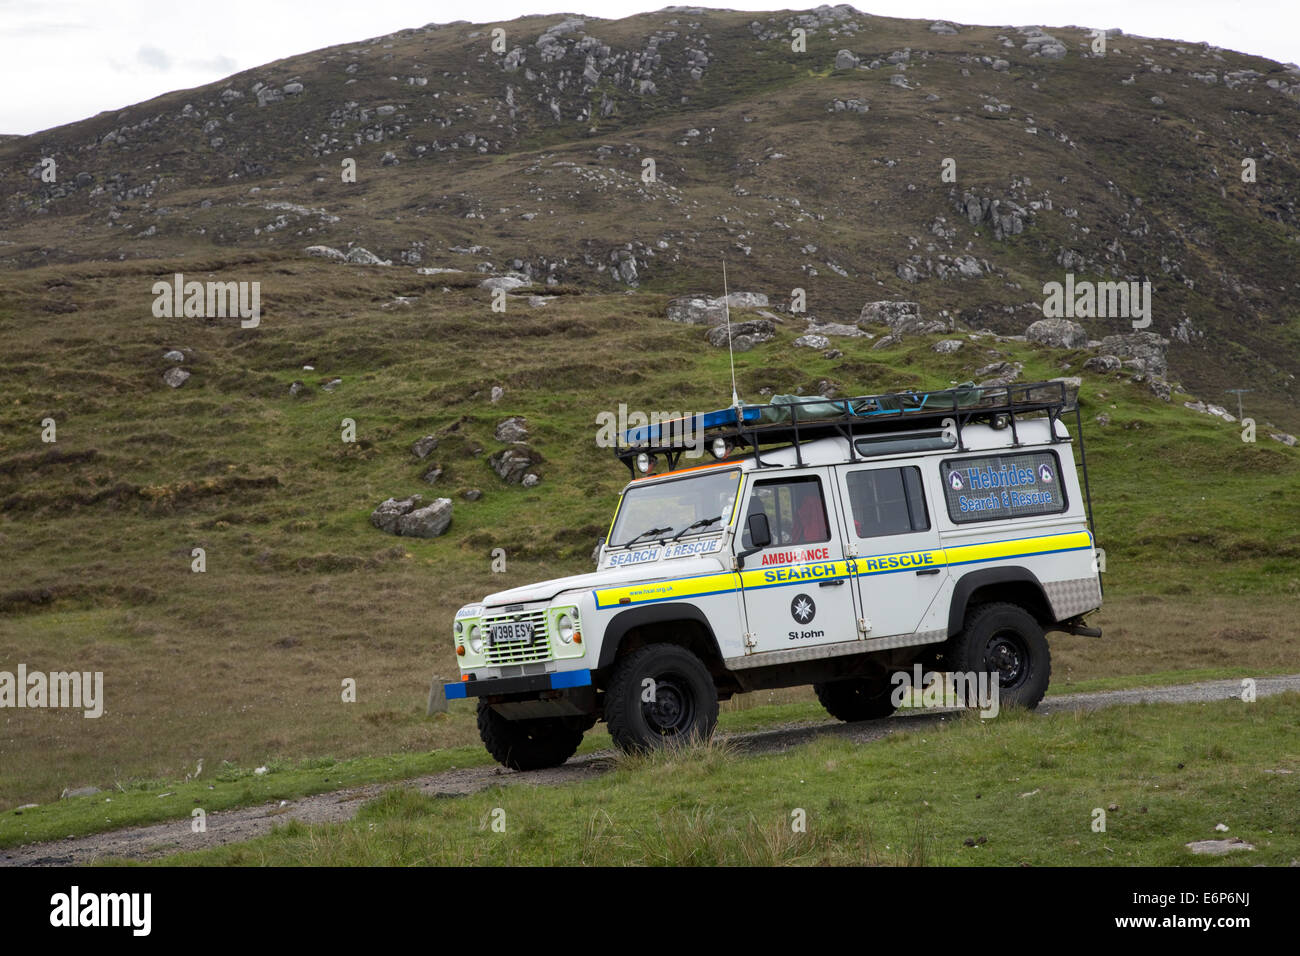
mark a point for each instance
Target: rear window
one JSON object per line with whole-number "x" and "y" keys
{"x": 997, "y": 487}
{"x": 887, "y": 501}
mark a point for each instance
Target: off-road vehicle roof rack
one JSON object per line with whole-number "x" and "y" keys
{"x": 893, "y": 414}
{"x": 890, "y": 423}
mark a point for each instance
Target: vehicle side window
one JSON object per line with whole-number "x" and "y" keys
{"x": 795, "y": 509}
{"x": 887, "y": 501}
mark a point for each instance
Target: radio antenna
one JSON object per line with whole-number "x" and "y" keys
{"x": 731, "y": 355}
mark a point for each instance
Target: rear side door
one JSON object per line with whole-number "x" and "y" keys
{"x": 797, "y": 591}
{"x": 893, "y": 541}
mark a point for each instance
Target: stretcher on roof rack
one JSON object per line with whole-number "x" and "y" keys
{"x": 901, "y": 421}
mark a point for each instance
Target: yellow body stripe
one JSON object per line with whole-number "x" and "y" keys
{"x": 789, "y": 574}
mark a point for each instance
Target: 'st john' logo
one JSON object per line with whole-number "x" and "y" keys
{"x": 802, "y": 608}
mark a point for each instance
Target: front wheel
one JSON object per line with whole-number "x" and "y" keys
{"x": 1004, "y": 640}
{"x": 659, "y": 696}
{"x": 529, "y": 744}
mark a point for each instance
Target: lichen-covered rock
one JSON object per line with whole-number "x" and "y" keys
{"x": 1145, "y": 350}
{"x": 890, "y": 313}
{"x": 511, "y": 464}
{"x": 421, "y": 447}
{"x": 386, "y": 516}
{"x": 427, "y": 522}
{"x": 175, "y": 377}
{"x": 744, "y": 335}
{"x": 813, "y": 342}
{"x": 1057, "y": 334}
{"x": 1103, "y": 364}
{"x": 512, "y": 430}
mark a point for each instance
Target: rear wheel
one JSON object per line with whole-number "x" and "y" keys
{"x": 1006, "y": 640}
{"x": 529, "y": 744}
{"x": 659, "y": 696}
{"x": 857, "y": 698}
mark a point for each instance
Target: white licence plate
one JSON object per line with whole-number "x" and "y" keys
{"x": 512, "y": 632}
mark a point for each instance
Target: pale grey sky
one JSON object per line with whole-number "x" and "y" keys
{"x": 65, "y": 60}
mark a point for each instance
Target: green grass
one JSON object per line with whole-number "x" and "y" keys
{"x": 142, "y": 802}
{"x": 1018, "y": 790}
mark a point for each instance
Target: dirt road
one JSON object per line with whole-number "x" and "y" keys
{"x": 233, "y": 826}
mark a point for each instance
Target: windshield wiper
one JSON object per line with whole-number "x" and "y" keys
{"x": 652, "y": 531}
{"x": 702, "y": 523}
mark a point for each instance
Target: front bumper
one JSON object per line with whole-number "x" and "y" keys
{"x": 494, "y": 686}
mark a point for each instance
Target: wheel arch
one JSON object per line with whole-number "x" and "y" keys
{"x": 1014, "y": 585}
{"x": 661, "y": 623}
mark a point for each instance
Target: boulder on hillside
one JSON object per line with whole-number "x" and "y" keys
{"x": 1144, "y": 352}
{"x": 695, "y": 310}
{"x": 702, "y": 310}
{"x": 325, "y": 252}
{"x": 507, "y": 282}
{"x": 1057, "y": 334}
{"x": 511, "y": 464}
{"x": 513, "y": 429}
{"x": 813, "y": 342}
{"x": 744, "y": 335}
{"x": 890, "y": 313}
{"x": 386, "y": 516}
{"x": 1103, "y": 364}
{"x": 364, "y": 257}
{"x": 845, "y": 60}
{"x": 427, "y": 522}
{"x": 421, "y": 447}
{"x": 175, "y": 376}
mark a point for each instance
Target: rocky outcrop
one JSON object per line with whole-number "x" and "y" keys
{"x": 513, "y": 463}
{"x": 744, "y": 335}
{"x": 1142, "y": 352}
{"x": 1057, "y": 334}
{"x": 408, "y": 518}
{"x": 511, "y": 430}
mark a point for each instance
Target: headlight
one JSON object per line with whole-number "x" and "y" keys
{"x": 564, "y": 627}
{"x": 475, "y": 640}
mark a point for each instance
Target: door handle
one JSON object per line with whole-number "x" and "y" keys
{"x": 928, "y": 571}
{"x": 831, "y": 584}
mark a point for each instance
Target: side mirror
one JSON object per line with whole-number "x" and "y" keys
{"x": 760, "y": 536}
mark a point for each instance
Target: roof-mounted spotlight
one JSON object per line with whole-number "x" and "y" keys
{"x": 645, "y": 463}
{"x": 719, "y": 448}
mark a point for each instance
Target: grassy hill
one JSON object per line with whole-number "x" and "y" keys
{"x": 1123, "y": 165}
{"x": 244, "y": 662}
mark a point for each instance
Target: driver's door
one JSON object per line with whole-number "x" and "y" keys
{"x": 797, "y": 591}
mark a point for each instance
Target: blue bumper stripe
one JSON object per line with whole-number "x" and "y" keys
{"x": 564, "y": 679}
{"x": 560, "y": 680}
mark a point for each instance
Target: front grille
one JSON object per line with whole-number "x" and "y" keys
{"x": 518, "y": 653}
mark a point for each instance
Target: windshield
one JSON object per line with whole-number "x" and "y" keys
{"x": 670, "y": 508}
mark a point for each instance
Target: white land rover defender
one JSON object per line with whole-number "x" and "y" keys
{"x": 831, "y": 543}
